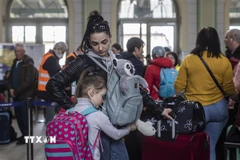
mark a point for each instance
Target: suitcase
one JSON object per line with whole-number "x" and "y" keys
{"x": 234, "y": 146}
{"x": 193, "y": 146}
{"x": 5, "y": 123}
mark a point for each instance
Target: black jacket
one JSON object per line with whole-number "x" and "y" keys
{"x": 55, "y": 85}
{"x": 235, "y": 57}
{"x": 138, "y": 65}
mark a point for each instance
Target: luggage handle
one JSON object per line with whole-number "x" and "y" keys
{"x": 159, "y": 129}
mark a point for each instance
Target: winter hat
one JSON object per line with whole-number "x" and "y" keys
{"x": 158, "y": 51}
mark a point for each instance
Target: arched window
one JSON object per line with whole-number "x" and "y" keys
{"x": 154, "y": 21}
{"x": 39, "y": 21}
{"x": 38, "y": 9}
{"x": 234, "y": 14}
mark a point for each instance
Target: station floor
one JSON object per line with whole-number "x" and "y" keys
{"x": 12, "y": 151}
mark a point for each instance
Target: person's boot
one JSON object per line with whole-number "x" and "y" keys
{"x": 21, "y": 140}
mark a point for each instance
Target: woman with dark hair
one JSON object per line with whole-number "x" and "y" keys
{"x": 194, "y": 79}
{"x": 96, "y": 44}
{"x": 174, "y": 57}
{"x": 116, "y": 48}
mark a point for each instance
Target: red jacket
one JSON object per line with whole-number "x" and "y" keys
{"x": 152, "y": 75}
{"x": 236, "y": 80}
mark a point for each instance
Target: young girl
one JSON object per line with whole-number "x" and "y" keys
{"x": 90, "y": 92}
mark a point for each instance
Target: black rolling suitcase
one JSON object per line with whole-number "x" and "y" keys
{"x": 7, "y": 132}
{"x": 5, "y": 123}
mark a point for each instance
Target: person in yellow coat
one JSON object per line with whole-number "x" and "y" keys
{"x": 194, "y": 79}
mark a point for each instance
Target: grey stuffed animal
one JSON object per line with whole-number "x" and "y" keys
{"x": 125, "y": 70}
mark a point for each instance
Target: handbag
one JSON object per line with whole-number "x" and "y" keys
{"x": 211, "y": 74}
{"x": 188, "y": 117}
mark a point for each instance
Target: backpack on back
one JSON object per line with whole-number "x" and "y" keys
{"x": 71, "y": 132}
{"x": 121, "y": 108}
{"x": 167, "y": 79}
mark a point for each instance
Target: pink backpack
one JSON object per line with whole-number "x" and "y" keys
{"x": 71, "y": 131}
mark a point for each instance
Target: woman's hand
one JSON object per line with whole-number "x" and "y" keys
{"x": 166, "y": 112}
{"x": 12, "y": 92}
{"x": 231, "y": 104}
{"x": 133, "y": 127}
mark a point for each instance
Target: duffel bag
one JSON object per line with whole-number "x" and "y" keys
{"x": 189, "y": 117}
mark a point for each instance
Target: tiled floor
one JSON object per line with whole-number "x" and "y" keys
{"x": 19, "y": 152}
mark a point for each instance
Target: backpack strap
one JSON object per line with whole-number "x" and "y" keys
{"x": 103, "y": 67}
{"x": 95, "y": 142}
{"x": 84, "y": 112}
{"x": 98, "y": 63}
{"x": 212, "y": 76}
{"x": 88, "y": 111}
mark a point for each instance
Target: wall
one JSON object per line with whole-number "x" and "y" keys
{"x": 206, "y": 13}
{"x": 88, "y": 6}
{"x": 3, "y": 3}
{"x": 222, "y": 23}
{"x": 188, "y": 25}
{"x": 1, "y": 22}
{"x": 192, "y": 16}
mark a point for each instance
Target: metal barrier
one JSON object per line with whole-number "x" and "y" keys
{"x": 29, "y": 103}
{"x": 30, "y": 129}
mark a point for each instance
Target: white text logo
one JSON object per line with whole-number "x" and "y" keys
{"x": 40, "y": 139}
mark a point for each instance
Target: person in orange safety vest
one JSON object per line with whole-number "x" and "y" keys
{"x": 49, "y": 67}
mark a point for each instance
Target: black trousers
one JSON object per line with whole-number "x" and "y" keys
{"x": 21, "y": 117}
{"x": 133, "y": 142}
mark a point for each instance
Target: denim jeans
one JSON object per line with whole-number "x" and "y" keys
{"x": 113, "y": 149}
{"x": 216, "y": 119}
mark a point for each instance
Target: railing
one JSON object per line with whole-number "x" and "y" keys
{"x": 29, "y": 103}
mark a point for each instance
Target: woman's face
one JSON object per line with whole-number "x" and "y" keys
{"x": 100, "y": 43}
{"x": 115, "y": 51}
{"x": 172, "y": 58}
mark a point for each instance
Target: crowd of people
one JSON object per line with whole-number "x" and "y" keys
{"x": 193, "y": 80}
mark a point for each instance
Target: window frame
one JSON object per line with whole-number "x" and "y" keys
{"x": 38, "y": 22}
{"x": 176, "y": 22}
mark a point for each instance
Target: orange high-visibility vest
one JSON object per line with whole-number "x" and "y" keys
{"x": 43, "y": 76}
{"x": 72, "y": 54}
